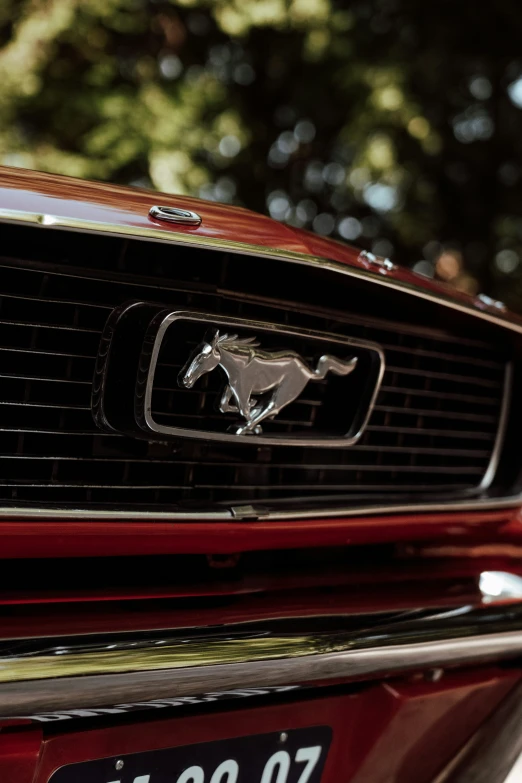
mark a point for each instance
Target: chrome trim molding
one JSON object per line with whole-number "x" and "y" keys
{"x": 384, "y": 264}
{"x": 99, "y": 690}
{"x": 235, "y": 514}
{"x": 489, "y": 475}
{"x": 44, "y": 675}
{"x": 340, "y": 441}
{"x": 183, "y": 217}
{"x": 491, "y": 304}
{"x": 213, "y": 243}
{"x": 498, "y": 586}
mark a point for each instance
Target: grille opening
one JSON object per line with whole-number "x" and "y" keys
{"x": 431, "y": 435}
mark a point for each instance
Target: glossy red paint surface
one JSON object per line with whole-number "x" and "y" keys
{"x": 33, "y": 191}
{"x": 401, "y": 583}
{"x": 406, "y": 730}
{"x": 415, "y": 576}
{"x": 19, "y": 751}
{"x": 140, "y": 614}
{"x": 338, "y": 251}
{"x": 91, "y": 538}
{"x": 248, "y": 582}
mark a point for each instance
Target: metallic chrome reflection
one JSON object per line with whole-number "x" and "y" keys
{"x": 500, "y": 585}
{"x": 43, "y": 675}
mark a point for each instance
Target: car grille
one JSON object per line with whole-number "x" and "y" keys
{"x": 432, "y": 432}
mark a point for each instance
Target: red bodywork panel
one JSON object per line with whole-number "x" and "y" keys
{"x": 91, "y": 538}
{"x": 32, "y": 191}
{"x": 399, "y": 584}
{"x": 406, "y": 730}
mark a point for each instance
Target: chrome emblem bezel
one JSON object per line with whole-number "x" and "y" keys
{"x": 258, "y": 329}
{"x": 127, "y": 364}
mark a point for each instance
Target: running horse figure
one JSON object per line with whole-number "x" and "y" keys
{"x": 252, "y": 372}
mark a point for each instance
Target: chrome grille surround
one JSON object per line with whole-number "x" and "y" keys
{"x": 474, "y": 401}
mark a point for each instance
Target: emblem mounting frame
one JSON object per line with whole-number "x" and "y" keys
{"x": 148, "y": 423}
{"x": 128, "y": 357}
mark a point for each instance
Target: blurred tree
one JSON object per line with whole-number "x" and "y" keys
{"x": 389, "y": 123}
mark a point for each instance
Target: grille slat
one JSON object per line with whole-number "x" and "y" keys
{"x": 446, "y": 376}
{"x": 58, "y": 292}
{"x": 42, "y": 379}
{"x": 33, "y": 325}
{"x": 42, "y": 352}
{"x": 479, "y": 418}
{"x": 441, "y": 395}
{"x": 423, "y": 432}
{"x": 203, "y": 463}
{"x": 60, "y": 433}
{"x": 420, "y": 431}
{"x": 447, "y": 357}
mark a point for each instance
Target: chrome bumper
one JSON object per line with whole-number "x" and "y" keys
{"x": 42, "y": 675}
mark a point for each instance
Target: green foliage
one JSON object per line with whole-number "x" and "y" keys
{"x": 390, "y": 123}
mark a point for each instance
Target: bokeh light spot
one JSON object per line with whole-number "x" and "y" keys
{"x": 304, "y": 131}
{"x": 449, "y": 264}
{"x": 324, "y": 223}
{"x": 380, "y": 197}
{"x": 419, "y": 128}
{"x": 515, "y": 92}
{"x": 170, "y": 66}
{"x": 229, "y": 146}
{"x": 424, "y": 268}
{"x": 349, "y": 228}
{"x": 507, "y": 261}
{"x": 390, "y": 98}
{"x": 480, "y": 87}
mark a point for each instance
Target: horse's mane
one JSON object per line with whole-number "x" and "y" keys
{"x": 234, "y": 339}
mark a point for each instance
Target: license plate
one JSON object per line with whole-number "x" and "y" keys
{"x": 294, "y": 756}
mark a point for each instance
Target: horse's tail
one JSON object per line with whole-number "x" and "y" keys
{"x": 331, "y": 364}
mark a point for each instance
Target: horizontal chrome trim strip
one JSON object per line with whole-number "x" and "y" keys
{"x": 213, "y": 243}
{"x": 44, "y": 675}
{"x": 483, "y": 504}
{"x": 46, "y": 694}
{"x": 159, "y": 235}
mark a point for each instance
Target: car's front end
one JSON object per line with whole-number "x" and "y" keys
{"x": 260, "y": 502}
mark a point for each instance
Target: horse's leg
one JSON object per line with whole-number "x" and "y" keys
{"x": 224, "y": 405}
{"x": 242, "y": 396}
{"x": 259, "y": 415}
{"x": 283, "y": 395}
{"x": 246, "y": 406}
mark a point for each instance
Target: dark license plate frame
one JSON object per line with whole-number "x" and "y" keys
{"x": 288, "y": 756}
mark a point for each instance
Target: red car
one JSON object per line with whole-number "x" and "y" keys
{"x": 260, "y": 502}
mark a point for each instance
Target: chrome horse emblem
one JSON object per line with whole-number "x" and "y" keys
{"x": 280, "y": 375}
